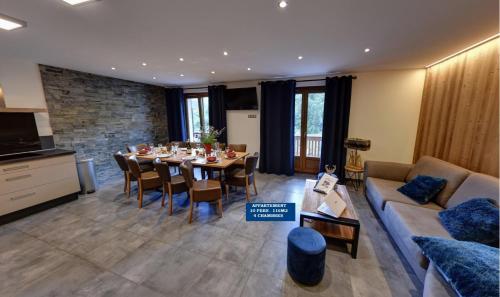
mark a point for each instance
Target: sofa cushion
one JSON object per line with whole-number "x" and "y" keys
{"x": 453, "y": 174}
{"x": 474, "y": 220}
{"x": 423, "y": 188}
{"x": 404, "y": 221}
{"x": 470, "y": 268}
{"x": 380, "y": 191}
{"x": 475, "y": 185}
{"x": 435, "y": 285}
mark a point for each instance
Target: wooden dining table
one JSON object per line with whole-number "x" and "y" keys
{"x": 199, "y": 161}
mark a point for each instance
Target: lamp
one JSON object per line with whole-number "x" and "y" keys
{"x": 356, "y": 144}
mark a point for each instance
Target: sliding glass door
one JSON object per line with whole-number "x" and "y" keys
{"x": 309, "y": 105}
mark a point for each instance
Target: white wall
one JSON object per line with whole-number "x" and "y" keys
{"x": 385, "y": 107}
{"x": 22, "y": 88}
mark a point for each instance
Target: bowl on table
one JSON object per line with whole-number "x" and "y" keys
{"x": 211, "y": 159}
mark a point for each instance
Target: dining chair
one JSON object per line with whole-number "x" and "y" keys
{"x": 122, "y": 163}
{"x": 135, "y": 148}
{"x": 148, "y": 180}
{"x": 243, "y": 177}
{"x": 201, "y": 190}
{"x": 171, "y": 184}
{"x": 241, "y": 148}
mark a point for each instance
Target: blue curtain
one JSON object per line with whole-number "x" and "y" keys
{"x": 277, "y": 127}
{"x": 217, "y": 110}
{"x": 176, "y": 114}
{"x": 336, "y": 123}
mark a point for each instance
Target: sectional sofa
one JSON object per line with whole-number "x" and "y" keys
{"x": 404, "y": 218}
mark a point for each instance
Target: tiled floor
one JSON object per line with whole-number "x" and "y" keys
{"x": 103, "y": 245}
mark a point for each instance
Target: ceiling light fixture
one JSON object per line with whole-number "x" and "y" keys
{"x": 283, "y": 4}
{"x": 225, "y": 53}
{"x": 464, "y": 50}
{"x": 113, "y": 68}
{"x": 76, "y": 2}
{"x": 9, "y": 23}
{"x": 181, "y": 59}
{"x": 249, "y": 69}
{"x": 367, "y": 50}
{"x": 213, "y": 72}
{"x": 144, "y": 64}
{"x": 300, "y": 57}
{"x": 154, "y": 77}
{"x": 181, "y": 75}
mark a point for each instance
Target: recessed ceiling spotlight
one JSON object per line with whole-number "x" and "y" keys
{"x": 144, "y": 64}
{"x": 249, "y": 69}
{"x": 367, "y": 50}
{"x": 154, "y": 77}
{"x": 300, "y": 57}
{"x": 181, "y": 59}
{"x": 225, "y": 53}
{"x": 181, "y": 74}
{"x": 213, "y": 72}
{"x": 9, "y": 23}
{"x": 283, "y": 4}
{"x": 76, "y": 2}
{"x": 113, "y": 68}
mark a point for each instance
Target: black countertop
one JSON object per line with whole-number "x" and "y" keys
{"x": 34, "y": 156}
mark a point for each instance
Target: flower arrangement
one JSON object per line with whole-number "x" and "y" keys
{"x": 209, "y": 135}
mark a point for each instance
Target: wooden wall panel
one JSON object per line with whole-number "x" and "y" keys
{"x": 459, "y": 115}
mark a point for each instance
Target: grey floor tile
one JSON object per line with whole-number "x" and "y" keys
{"x": 220, "y": 279}
{"x": 178, "y": 273}
{"x": 108, "y": 284}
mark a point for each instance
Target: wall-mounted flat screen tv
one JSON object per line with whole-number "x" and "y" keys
{"x": 18, "y": 133}
{"x": 241, "y": 99}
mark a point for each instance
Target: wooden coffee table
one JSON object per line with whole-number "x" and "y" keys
{"x": 344, "y": 228}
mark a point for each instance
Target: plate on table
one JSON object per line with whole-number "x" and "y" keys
{"x": 211, "y": 162}
{"x": 235, "y": 157}
{"x": 164, "y": 155}
{"x": 146, "y": 154}
{"x": 188, "y": 158}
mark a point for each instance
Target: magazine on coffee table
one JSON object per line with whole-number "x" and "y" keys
{"x": 325, "y": 184}
{"x": 333, "y": 205}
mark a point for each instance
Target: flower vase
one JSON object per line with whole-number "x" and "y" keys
{"x": 208, "y": 148}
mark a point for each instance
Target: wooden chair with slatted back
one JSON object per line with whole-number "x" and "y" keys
{"x": 122, "y": 163}
{"x": 201, "y": 190}
{"x": 149, "y": 180}
{"x": 171, "y": 184}
{"x": 243, "y": 177}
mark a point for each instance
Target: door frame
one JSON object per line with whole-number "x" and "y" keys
{"x": 302, "y": 160}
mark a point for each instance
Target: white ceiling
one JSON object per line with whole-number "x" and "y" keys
{"x": 330, "y": 34}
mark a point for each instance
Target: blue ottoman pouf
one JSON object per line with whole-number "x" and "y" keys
{"x": 306, "y": 255}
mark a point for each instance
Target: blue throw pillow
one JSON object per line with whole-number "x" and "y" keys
{"x": 473, "y": 220}
{"x": 423, "y": 188}
{"x": 470, "y": 268}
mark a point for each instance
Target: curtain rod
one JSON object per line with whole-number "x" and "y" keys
{"x": 310, "y": 80}
{"x": 304, "y": 80}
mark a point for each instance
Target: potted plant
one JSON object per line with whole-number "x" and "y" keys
{"x": 209, "y": 137}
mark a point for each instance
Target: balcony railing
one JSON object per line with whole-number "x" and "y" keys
{"x": 313, "y": 145}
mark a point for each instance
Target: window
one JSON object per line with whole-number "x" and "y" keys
{"x": 197, "y": 114}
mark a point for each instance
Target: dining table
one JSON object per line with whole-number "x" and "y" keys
{"x": 180, "y": 156}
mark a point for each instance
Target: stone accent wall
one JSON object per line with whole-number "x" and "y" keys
{"x": 96, "y": 115}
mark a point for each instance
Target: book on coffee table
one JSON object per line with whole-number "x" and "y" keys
{"x": 325, "y": 184}
{"x": 333, "y": 205}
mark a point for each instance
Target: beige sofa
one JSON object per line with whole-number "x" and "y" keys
{"x": 404, "y": 218}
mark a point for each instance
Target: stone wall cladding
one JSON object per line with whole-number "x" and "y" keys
{"x": 96, "y": 115}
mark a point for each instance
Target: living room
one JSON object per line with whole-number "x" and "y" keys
{"x": 249, "y": 148}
